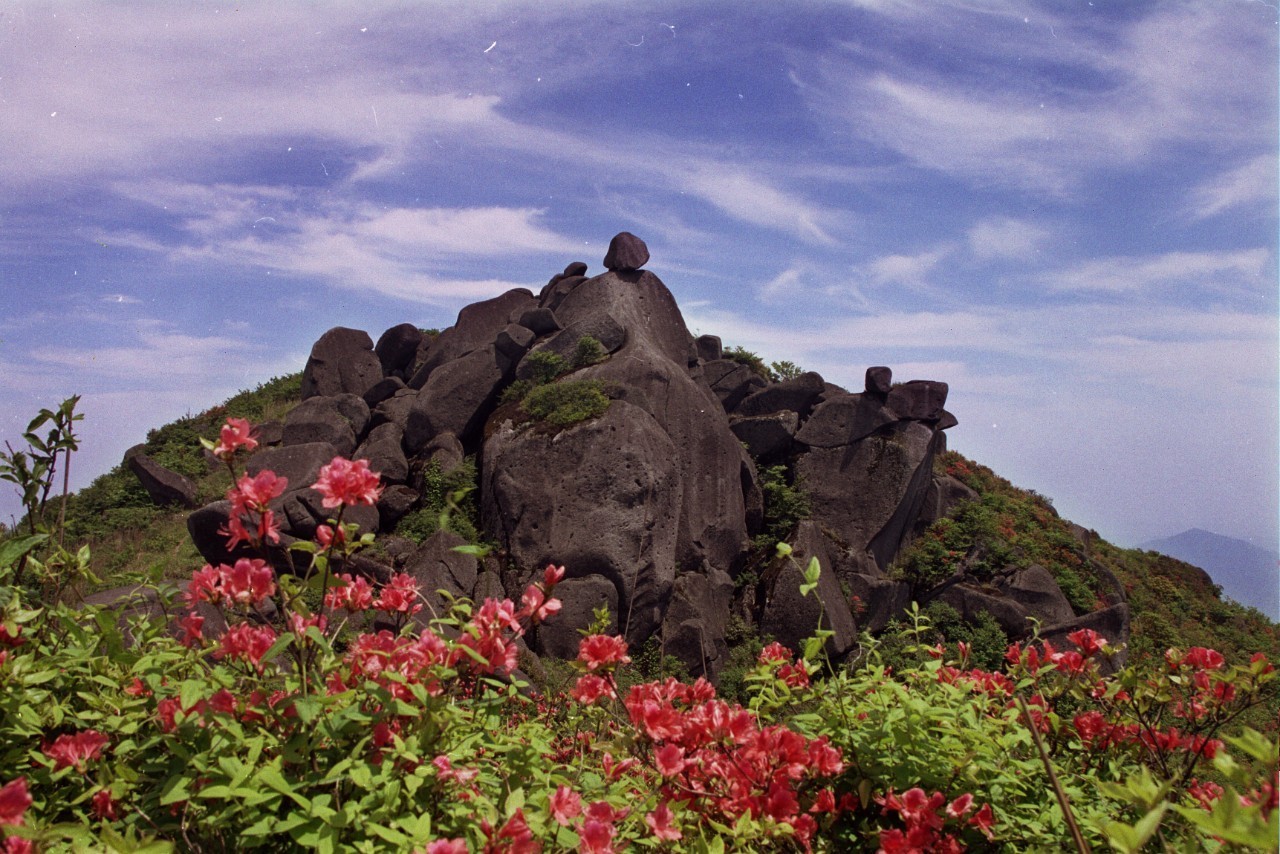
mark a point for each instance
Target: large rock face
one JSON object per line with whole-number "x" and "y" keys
{"x": 652, "y": 501}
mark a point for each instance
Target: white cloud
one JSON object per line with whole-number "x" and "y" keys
{"x": 1248, "y": 185}
{"x": 1231, "y": 272}
{"x": 1004, "y": 238}
{"x": 911, "y": 271}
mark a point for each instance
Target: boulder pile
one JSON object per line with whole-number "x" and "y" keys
{"x": 649, "y": 490}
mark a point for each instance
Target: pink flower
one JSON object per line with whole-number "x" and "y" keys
{"x": 565, "y": 805}
{"x": 345, "y": 482}
{"x": 447, "y": 846}
{"x": 14, "y": 800}
{"x": 353, "y": 594}
{"x": 602, "y": 651}
{"x": 774, "y": 653}
{"x": 18, "y": 845}
{"x": 552, "y": 576}
{"x": 596, "y": 837}
{"x": 669, "y": 759}
{"x": 69, "y": 751}
{"x": 1089, "y": 641}
{"x": 246, "y": 642}
{"x": 327, "y": 536}
{"x": 248, "y": 582}
{"x": 399, "y": 594}
{"x": 659, "y": 821}
{"x": 104, "y": 806}
{"x": 591, "y": 688}
{"x": 192, "y": 627}
{"x": 235, "y": 434}
{"x": 536, "y": 605}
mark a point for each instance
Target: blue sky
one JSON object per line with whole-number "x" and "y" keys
{"x": 1067, "y": 211}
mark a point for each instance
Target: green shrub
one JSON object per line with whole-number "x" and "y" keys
{"x": 588, "y": 351}
{"x": 746, "y": 357}
{"x": 447, "y": 498}
{"x": 546, "y": 366}
{"x": 785, "y": 505}
{"x": 564, "y": 403}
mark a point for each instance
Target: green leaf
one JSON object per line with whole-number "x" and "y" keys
{"x": 13, "y": 550}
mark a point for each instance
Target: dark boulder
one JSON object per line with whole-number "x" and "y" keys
{"x": 970, "y": 602}
{"x": 163, "y": 486}
{"x": 457, "y": 397}
{"x": 436, "y": 567}
{"x": 919, "y": 400}
{"x": 394, "y": 504}
{"x": 879, "y": 381}
{"x": 477, "y": 327}
{"x": 1112, "y": 623}
{"x": 596, "y": 498}
{"x": 842, "y": 419}
{"x": 342, "y": 361}
{"x": 600, "y": 326}
{"x": 693, "y": 629}
{"x": 397, "y": 348}
{"x": 320, "y": 419}
{"x": 514, "y": 341}
{"x": 579, "y": 598}
{"x": 1039, "y": 595}
{"x": 766, "y": 436}
{"x": 875, "y": 601}
{"x": 791, "y": 617}
{"x": 709, "y": 348}
{"x": 540, "y": 321}
{"x": 383, "y": 452}
{"x": 383, "y": 389}
{"x": 299, "y": 464}
{"x": 798, "y": 394}
{"x": 731, "y": 382}
{"x": 626, "y": 253}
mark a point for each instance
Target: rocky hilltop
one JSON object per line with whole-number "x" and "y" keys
{"x": 608, "y": 439}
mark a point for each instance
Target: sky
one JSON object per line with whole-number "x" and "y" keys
{"x": 1066, "y": 211}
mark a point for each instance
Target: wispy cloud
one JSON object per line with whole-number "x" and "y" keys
{"x": 1252, "y": 184}
{"x": 1225, "y": 272}
{"x": 1008, "y": 239}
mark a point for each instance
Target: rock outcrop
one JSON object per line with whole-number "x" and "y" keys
{"x": 640, "y": 475}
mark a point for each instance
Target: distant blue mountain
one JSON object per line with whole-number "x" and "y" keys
{"x": 1247, "y": 573}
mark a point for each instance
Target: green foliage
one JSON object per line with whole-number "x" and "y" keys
{"x": 751, "y": 360}
{"x": 546, "y": 366}
{"x": 566, "y": 403}
{"x": 784, "y": 370}
{"x": 448, "y": 500}
{"x": 785, "y": 505}
{"x": 588, "y": 351}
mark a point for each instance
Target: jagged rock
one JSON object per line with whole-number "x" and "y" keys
{"x": 445, "y": 451}
{"x": 601, "y": 326}
{"x": 397, "y": 347}
{"x": 435, "y": 566}
{"x": 576, "y": 268}
{"x": 946, "y": 421}
{"x": 395, "y": 409}
{"x": 766, "y": 436}
{"x": 514, "y": 341}
{"x": 1112, "y": 623}
{"x": 798, "y": 395}
{"x": 879, "y": 381}
{"x": 731, "y": 382}
{"x": 396, "y": 501}
{"x": 305, "y": 511}
{"x": 1039, "y": 595}
{"x": 540, "y": 321}
{"x": 342, "y": 361}
{"x": 557, "y": 289}
{"x": 791, "y": 617}
{"x": 919, "y": 400}
{"x": 945, "y": 494}
{"x": 457, "y": 397}
{"x": 477, "y": 327}
{"x": 875, "y": 601}
{"x": 709, "y": 347}
{"x": 579, "y": 597}
{"x": 319, "y": 419}
{"x": 969, "y": 603}
{"x": 869, "y": 492}
{"x": 163, "y": 486}
{"x": 384, "y": 454}
{"x": 299, "y": 464}
{"x": 694, "y": 627}
{"x": 269, "y": 433}
{"x": 653, "y": 365}
{"x": 383, "y": 389}
{"x": 626, "y": 253}
{"x": 842, "y": 419}
{"x": 594, "y": 498}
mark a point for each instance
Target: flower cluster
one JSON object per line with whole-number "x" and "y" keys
{"x": 344, "y": 482}
{"x": 247, "y": 583}
{"x": 235, "y": 434}
{"x": 777, "y": 658}
{"x": 925, "y": 820}
{"x": 251, "y": 520}
{"x": 718, "y": 761}
{"x": 75, "y": 750}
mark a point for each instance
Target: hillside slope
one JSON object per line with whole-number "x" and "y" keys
{"x": 1246, "y": 573}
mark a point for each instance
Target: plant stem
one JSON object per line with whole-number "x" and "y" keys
{"x": 1081, "y": 845}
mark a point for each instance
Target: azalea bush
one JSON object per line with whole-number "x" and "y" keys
{"x": 318, "y": 709}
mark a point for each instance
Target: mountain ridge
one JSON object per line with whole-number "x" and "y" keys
{"x": 1247, "y": 573}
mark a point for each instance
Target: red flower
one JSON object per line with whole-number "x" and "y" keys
{"x": 235, "y": 434}
{"x": 565, "y": 805}
{"x": 1089, "y": 641}
{"x": 104, "y": 806}
{"x": 192, "y": 626}
{"x": 447, "y": 846}
{"x": 69, "y": 751}
{"x": 354, "y": 594}
{"x": 249, "y": 582}
{"x": 659, "y": 821}
{"x": 14, "y": 800}
{"x": 399, "y": 594}
{"x": 669, "y": 759}
{"x": 345, "y": 482}
{"x": 536, "y": 606}
{"x": 597, "y": 651}
{"x": 246, "y": 642}
{"x": 590, "y": 688}
{"x": 18, "y": 845}
{"x": 552, "y": 576}
{"x": 515, "y": 837}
